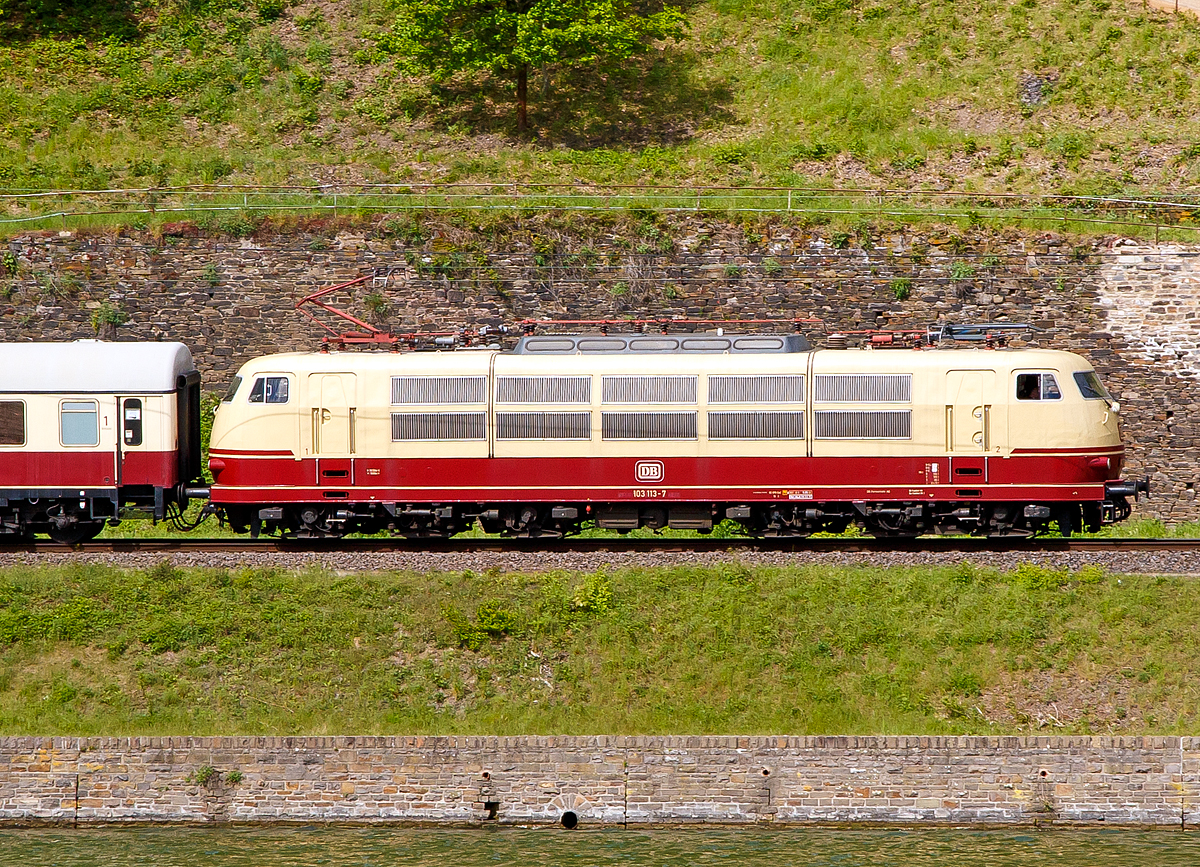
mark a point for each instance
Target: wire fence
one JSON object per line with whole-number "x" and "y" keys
{"x": 214, "y": 202}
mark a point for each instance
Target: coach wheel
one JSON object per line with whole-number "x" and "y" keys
{"x": 83, "y": 531}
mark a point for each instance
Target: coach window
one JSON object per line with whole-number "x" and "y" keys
{"x": 79, "y": 423}
{"x": 270, "y": 389}
{"x": 12, "y": 422}
{"x": 131, "y": 421}
{"x": 1037, "y": 386}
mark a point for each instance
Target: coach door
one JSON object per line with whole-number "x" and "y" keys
{"x": 334, "y": 406}
{"x": 969, "y": 423}
{"x": 132, "y": 436}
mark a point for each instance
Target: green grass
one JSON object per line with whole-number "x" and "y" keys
{"x": 719, "y": 649}
{"x": 856, "y": 92}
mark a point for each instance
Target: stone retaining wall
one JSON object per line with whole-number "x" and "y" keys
{"x": 1152, "y": 781}
{"x": 1131, "y": 308}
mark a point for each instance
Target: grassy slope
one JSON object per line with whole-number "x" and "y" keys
{"x": 722, "y": 649}
{"x": 803, "y": 91}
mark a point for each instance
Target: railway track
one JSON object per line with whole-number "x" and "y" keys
{"x": 549, "y": 546}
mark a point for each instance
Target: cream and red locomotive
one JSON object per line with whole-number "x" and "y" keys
{"x": 684, "y": 431}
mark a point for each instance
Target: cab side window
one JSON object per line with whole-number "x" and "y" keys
{"x": 270, "y": 389}
{"x": 1037, "y": 386}
{"x": 12, "y": 422}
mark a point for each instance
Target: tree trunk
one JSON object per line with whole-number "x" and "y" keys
{"x": 523, "y": 98}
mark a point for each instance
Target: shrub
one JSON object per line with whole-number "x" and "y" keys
{"x": 594, "y": 596}
{"x": 205, "y": 775}
{"x": 1034, "y": 577}
{"x": 107, "y": 317}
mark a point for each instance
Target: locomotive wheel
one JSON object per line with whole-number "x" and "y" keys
{"x": 83, "y": 531}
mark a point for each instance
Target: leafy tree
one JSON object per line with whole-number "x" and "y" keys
{"x": 511, "y": 37}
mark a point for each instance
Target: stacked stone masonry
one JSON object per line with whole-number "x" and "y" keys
{"x": 1132, "y": 308}
{"x": 1147, "y": 781}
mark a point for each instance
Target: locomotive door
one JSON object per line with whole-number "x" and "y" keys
{"x": 332, "y": 396}
{"x": 969, "y": 422}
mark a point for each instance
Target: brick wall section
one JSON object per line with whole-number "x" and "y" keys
{"x": 1151, "y": 781}
{"x": 1132, "y": 309}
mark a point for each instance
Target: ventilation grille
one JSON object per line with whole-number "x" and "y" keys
{"x": 756, "y": 389}
{"x": 544, "y": 425}
{"x": 756, "y": 425}
{"x": 408, "y": 426}
{"x": 544, "y": 389}
{"x": 864, "y": 388}
{"x": 888, "y": 424}
{"x": 649, "y": 425}
{"x": 649, "y": 389}
{"x": 438, "y": 389}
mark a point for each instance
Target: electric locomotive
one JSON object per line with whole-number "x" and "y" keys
{"x": 669, "y": 430}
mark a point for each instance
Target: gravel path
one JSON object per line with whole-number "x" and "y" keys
{"x": 1128, "y": 562}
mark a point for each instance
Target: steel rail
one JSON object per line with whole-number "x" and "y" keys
{"x": 955, "y": 544}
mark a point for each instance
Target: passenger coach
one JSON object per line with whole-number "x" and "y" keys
{"x": 669, "y": 430}
{"x": 89, "y": 429}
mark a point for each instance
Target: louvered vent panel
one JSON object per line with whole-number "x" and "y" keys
{"x": 649, "y": 389}
{"x": 863, "y": 388}
{"x": 544, "y": 389}
{"x": 543, "y": 425}
{"x": 649, "y": 425}
{"x": 887, "y": 424}
{"x": 756, "y": 425}
{"x": 438, "y": 389}
{"x": 756, "y": 389}
{"x": 438, "y": 426}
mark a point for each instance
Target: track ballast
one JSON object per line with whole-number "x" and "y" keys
{"x": 963, "y": 544}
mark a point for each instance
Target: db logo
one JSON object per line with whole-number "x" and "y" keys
{"x": 649, "y": 471}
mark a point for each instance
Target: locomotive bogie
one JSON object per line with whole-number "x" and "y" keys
{"x": 92, "y": 431}
{"x": 898, "y": 442}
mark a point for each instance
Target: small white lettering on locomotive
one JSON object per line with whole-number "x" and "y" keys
{"x": 800, "y": 495}
{"x": 649, "y": 493}
{"x": 649, "y": 471}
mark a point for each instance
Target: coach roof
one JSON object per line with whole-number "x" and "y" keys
{"x": 93, "y": 366}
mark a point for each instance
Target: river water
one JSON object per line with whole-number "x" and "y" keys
{"x": 689, "y": 847}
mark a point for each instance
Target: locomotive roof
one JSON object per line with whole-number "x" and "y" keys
{"x": 472, "y": 360}
{"x": 93, "y": 366}
{"x": 608, "y": 344}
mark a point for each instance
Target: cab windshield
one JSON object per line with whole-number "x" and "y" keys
{"x": 1090, "y": 386}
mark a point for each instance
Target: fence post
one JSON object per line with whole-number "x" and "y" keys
{"x": 789, "y": 200}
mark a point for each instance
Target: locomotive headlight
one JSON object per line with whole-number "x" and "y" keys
{"x": 1114, "y": 406}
